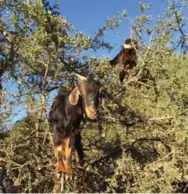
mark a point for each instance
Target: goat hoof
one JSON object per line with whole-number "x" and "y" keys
{"x": 59, "y": 175}
{"x": 68, "y": 177}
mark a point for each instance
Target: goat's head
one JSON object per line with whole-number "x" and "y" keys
{"x": 128, "y": 54}
{"x": 130, "y": 44}
{"x": 89, "y": 90}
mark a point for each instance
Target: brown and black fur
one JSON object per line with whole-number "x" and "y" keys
{"x": 65, "y": 117}
{"x": 126, "y": 59}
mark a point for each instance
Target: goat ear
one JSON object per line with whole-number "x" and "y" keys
{"x": 74, "y": 96}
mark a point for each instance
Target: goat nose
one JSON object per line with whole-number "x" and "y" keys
{"x": 92, "y": 111}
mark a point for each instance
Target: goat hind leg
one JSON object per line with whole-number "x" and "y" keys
{"x": 79, "y": 151}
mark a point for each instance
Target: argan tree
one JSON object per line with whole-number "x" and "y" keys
{"x": 143, "y": 146}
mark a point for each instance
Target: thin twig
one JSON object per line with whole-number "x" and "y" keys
{"x": 161, "y": 118}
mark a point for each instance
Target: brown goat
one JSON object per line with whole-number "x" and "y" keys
{"x": 67, "y": 112}
{"x": 126, "y": 59}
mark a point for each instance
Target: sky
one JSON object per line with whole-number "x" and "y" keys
{"x": 89, "y": 15}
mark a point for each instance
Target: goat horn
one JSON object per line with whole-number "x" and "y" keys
{"x": 127, "y": 46}
{"x": 81, "y": 77}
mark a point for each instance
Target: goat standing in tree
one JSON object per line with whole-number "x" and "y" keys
{"x": 66, "y": 114}
{"x": 126, "y": 59}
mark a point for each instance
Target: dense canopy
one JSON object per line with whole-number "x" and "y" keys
{"x": 144, "y": 141}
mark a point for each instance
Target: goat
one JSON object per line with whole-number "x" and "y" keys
{"x": 126, "y": 59}
{"x": 66, "y": 114}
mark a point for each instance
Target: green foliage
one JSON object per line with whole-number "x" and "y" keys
{"x": 28, "y": 160}
{"x": 144, "y": 143}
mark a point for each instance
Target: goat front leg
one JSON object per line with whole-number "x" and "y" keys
{"x": 67, "y": 159}
{"x": 59, "y": 153}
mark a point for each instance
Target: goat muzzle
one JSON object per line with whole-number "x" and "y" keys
{"x": 91, "y": 113}
{"x": 128, "y": 46}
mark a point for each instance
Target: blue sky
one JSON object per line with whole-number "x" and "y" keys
{"x": 89, "y": 15}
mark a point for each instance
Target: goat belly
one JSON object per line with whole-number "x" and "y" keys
{"x": 68, "y": 126}
{"x": 64, "y": 118}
